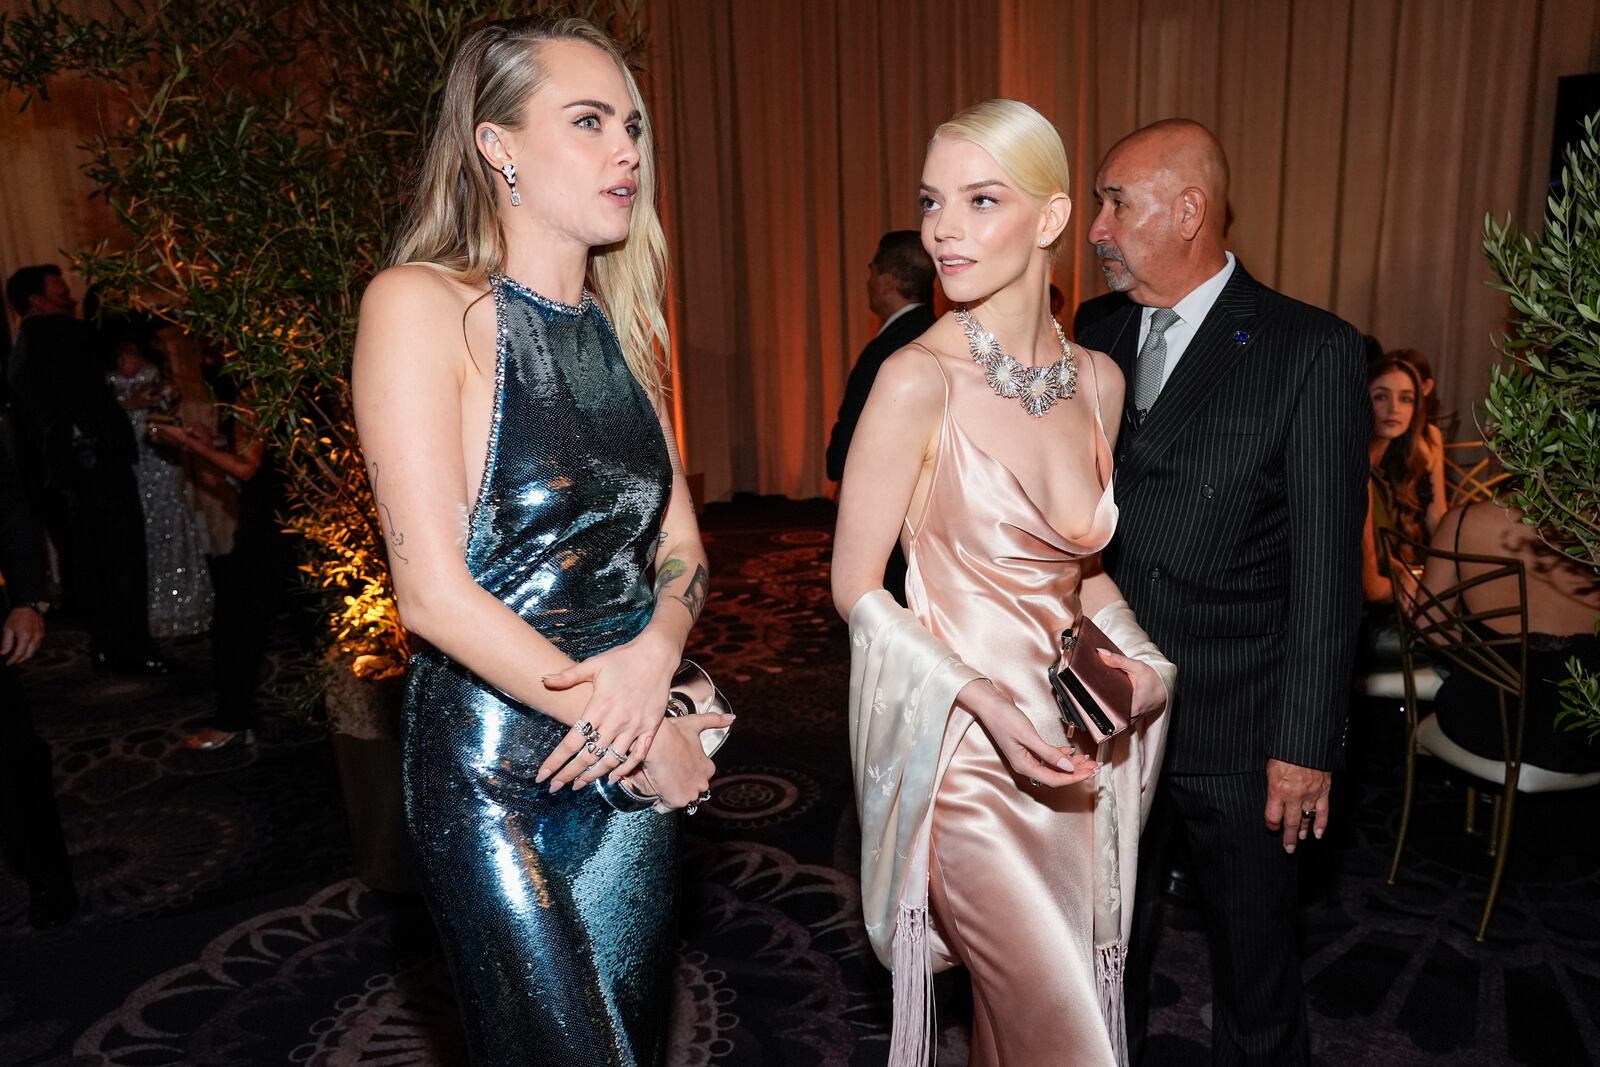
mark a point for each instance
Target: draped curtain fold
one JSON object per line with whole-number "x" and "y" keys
{"x": 1367, "y": 139}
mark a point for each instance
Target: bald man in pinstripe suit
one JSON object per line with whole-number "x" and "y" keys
{"x": 1241, "y": 478}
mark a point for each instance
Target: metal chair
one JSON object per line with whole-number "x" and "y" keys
{"x": 1459, "y": 639}
{"x": 1471, "y": 473}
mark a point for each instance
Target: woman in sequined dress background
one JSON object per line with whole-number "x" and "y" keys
{"x": 543, "y": 546}
{"x": 180, "y": 593}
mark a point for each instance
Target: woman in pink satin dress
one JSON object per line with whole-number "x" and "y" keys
{"x": 986, "y": 450}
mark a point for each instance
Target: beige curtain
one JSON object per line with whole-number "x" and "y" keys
{"x": 45, "y": 210}
{"x": 1367, "y": 138}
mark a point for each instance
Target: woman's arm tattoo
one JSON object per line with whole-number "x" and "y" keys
{"x": 669, "y": 572}
{"x": 395, "y": 537}
{"x": 693, "y": 596}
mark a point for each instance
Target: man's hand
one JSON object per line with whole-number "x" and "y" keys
{"x": 1297, "y": 798}
{"x": 20, "y": 635}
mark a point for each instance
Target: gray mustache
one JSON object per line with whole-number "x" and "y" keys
{"x": 1105, "y": 251}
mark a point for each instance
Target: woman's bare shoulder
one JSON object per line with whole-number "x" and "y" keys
{"x": 410, "y": 288}
{"x": 417, "y": 308}
{"x": 1106, "y": 373}
{"x": 913, "y": 374}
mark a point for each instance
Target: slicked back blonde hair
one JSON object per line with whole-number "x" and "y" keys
{"x": 455, "y": 220}
{"x": 1022, "y": 142}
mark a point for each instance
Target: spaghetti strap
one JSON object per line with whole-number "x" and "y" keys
{"x": 944, "y": 426}
{"x": 942, "y": 375}
{"x": 1099, "y": 414}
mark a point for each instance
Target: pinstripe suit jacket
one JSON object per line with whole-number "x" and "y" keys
{"x": 1242, "y": 498}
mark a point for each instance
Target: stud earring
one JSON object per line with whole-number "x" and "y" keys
{"x": 510, "y": 171}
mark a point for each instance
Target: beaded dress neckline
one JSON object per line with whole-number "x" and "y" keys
{"x": 508, "y": 282}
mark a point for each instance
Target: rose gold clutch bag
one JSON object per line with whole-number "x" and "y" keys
{"x": 1095, "y": 698}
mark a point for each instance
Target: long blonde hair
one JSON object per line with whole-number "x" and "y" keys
{"x": 1024, "y": 144}
{"x": 455, "y": 223}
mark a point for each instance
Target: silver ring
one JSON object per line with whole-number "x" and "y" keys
{"x": 1304, "y": 814}
{"x": 584, "y": 727}
{"x": 705, "y": 795}
{"x": 1035, "y": 781}
{"x": 594, "y": 748}
{"x": 691, "y": 808}
{"x": 620, "y": 757}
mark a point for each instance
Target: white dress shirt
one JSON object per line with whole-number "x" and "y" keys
{"x": 888, "y": 321}
{"x": 1192, "y": 311}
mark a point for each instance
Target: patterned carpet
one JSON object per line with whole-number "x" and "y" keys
{"x": 223, "y": 924}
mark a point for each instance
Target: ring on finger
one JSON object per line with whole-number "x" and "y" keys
{"x": 1304, "y": 814}
{"x": 584, "y": 727}
{"x": 593, "y": 747}
{"x": 620, "y": 757}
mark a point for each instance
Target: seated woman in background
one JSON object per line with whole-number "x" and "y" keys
{"x": 1403, "y": 495}
{"x": 1433, "y": 423}
{"x": 1563, "y": 603}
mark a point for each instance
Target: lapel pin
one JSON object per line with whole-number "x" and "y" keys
{"x": 1241, "y": 336}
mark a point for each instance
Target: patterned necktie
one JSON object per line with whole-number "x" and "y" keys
{"x": 1152, "y": 360}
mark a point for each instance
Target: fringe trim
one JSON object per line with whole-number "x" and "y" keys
{"x": 911, "y": 1041}
{"x": 1110, "y": 961}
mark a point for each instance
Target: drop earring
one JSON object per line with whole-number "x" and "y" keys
{"x": 510, "y": 171}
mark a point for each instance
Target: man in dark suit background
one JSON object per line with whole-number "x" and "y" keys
{"x": 900, "y": 292}
{"x": 1241, "y": 479}
{"x": 30, "y": 825}
{"x": 77, "y": 453}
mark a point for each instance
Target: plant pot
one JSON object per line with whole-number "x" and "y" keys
{"x": 364, "y": 723}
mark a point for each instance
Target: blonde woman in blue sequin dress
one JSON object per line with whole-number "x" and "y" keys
{"x": 543, "y": 546}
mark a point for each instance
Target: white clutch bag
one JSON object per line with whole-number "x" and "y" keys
{"x": 692, "y": 693}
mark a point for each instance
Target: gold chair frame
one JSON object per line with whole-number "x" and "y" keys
{"x": 1469, "y": 480}
{"x": 1434, "y": 620}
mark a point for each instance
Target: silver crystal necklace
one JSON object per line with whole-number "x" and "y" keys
{"x": 1037, "y": 388}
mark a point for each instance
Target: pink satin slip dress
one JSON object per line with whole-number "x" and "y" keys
{"x": 1011, "y": 873}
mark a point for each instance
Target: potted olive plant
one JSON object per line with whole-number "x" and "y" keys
{"x": 1543, "y": 408}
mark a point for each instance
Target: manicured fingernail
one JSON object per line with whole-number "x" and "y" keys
{"x": 540, "y": 777}
{"x": 1289, "y": 849}
{"x": 1318, "y": 833}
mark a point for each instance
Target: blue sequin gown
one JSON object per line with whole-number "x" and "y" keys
{"x": 555, "y": 909}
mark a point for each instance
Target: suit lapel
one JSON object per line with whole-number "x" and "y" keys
{"x": 1124, "y": 346}
{"x": 1123, "y": 349}
{"x": 1205, "y": 365}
